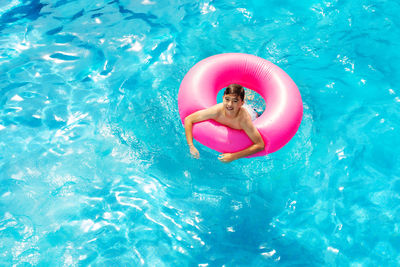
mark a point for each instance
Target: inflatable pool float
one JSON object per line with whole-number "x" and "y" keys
{"x": 278, "y": 123}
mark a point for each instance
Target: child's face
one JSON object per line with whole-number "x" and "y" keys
{"x": 232, "y": 103}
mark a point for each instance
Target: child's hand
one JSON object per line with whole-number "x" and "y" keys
{"x": 194, "y": 152}
{"x": 227, "y": 157}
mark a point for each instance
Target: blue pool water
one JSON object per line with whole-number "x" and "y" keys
{"x": 94, "y": 167}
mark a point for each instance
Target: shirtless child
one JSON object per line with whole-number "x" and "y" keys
{"x": 232, "y": 114}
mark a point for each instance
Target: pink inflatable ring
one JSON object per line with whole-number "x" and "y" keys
{"x": 277, "y": 125}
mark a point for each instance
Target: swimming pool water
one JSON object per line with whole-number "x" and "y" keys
{"x": 94, "y": 166}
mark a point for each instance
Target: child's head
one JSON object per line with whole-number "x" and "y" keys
{"x": 235, "y": 89}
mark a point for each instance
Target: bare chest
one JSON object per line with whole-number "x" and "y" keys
{"x": 231, "y": 123}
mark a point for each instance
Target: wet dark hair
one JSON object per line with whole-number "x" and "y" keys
{"x": 235, "y": 89}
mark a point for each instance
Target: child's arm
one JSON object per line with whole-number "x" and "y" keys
{"x": 201, "y": 115}
{"x": 254, "y": 135}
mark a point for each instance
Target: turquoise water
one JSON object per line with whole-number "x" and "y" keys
{"x": 94, "y": 167}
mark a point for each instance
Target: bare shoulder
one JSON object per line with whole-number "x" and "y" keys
{"x": 217, "y": 107}
{"x": 204, "y": 114}
{"x": 215, "y": 111}
{"x": 247, "y": 125}
{"x": 245, "y": 119}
